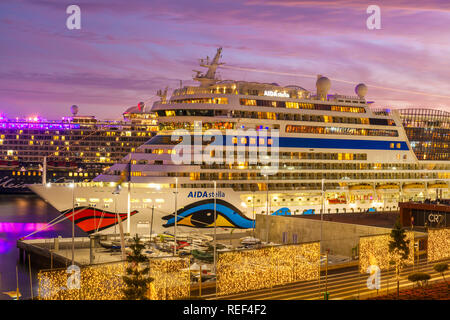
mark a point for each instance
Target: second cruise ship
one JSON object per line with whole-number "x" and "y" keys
{"x": 235, "y": 149}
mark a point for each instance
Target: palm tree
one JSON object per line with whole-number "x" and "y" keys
{"x": 399, "y": 248}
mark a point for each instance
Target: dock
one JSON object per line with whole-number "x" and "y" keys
{"x": 57, "y": 252}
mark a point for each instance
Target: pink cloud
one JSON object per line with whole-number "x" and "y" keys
{"x": 127, "y": 50}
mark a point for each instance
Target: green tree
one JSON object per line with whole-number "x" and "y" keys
{"x": 399, "y": 249}
{"x": 136, "y": 279}
{"x": 420, "y": 278}
{"x": 441, "y": 268}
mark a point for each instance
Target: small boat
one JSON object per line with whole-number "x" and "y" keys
{"x": 164, "y": 247}
{"x": 361, "y": 188}
{"x": 438, "y": 186}
{"x": 250, "y": 241}
{"x": 202, "y": 255}
{"x": 413, "y": 187}
{"x": 388, "y": 187}
{"x": 111, "y": 245}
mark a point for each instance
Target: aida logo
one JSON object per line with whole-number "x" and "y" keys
{"x": 205, "y": 194}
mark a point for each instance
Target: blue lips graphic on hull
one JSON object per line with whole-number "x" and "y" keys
{"x": 282, "y": 212}
{"x": 200, "y": 214}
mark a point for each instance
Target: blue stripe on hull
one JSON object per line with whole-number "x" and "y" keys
{"x": 288, "y": 142}
{"x": 321, "y": 143}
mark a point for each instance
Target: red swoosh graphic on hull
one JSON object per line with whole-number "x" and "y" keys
{"x": 90, "y": 220}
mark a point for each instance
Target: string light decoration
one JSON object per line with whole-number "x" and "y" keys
{"x": 103, "y": 282}
{"x": 438, "y": 244}
{"x": 172, "y": 279}
{"x": 374, "y": 250}
{"x": 245, "y": 270}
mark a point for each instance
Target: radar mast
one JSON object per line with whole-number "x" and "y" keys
{"x": 209, "y": 77}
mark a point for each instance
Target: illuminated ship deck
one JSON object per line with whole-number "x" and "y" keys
{"x": 76, "y": 148}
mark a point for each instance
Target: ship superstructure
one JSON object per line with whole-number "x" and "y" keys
{"x": 74, "y": 148}
{"x": 285, "y": 151}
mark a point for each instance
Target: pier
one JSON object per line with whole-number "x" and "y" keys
{"x": 57, "y": 252}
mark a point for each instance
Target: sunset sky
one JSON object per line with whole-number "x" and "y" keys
{"x": 126, "y": 50}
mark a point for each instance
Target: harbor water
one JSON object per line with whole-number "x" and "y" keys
{"x": 21, "y": 215}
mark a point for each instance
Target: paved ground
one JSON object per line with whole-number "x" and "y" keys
{"x": 343, "y": 285}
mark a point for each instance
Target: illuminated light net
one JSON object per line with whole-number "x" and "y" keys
{"x": 246, "y": 270}
{"x": 172, "y": 279}
{"x": 438, "y": 244}
{"x": 374, "y": 250}
{"x": 104, "y": 282}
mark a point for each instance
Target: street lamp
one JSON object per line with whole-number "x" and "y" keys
{"x": 72, "y": 186}
{"x": 267, "y": 204}
{"x": 322, "y": 211}
{"x": 253, "y": 209}
{"x": 176, "y": 217}
{"x": 215, "y": 225}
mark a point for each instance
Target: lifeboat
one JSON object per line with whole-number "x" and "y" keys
{"x": 337, "y": 201}
{"x": 361, "y": 188}
{"x": 438, "y": 186}
{"x": 8, "y": 164}
{"x": 61, "y": 164}
{"x": 389, "y": 187}
{"x": 413, "y": 187}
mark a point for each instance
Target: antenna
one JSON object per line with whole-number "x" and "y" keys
{"x": 209, "y": 77}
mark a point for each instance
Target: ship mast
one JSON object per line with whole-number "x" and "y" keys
{"x": 209, "y": 77}
{"x": 162, "y": 94}
{"x": 44, "y": 171}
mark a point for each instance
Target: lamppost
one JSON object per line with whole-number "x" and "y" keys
{"x": 253, "y": 209}
{"x": 176, "y": 218}
{"x": 267, "y": 203}
{"x": 72, "y": 185}
{"x": 322, "y": 211}
{"x": 215, "y": 226}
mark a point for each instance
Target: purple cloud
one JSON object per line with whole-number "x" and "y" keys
{"x": 126, "y": 50}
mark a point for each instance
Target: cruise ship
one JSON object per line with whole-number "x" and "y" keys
{"x": 229, "y": 150}
{"x": 76, "y": 148}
